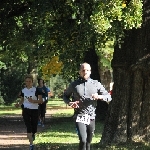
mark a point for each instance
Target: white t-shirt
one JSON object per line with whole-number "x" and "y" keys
{"x": 27, "y": 93}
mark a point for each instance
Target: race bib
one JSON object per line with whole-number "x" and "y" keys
{"x": 107, "y": 98}
{"x": 83, "y": 118}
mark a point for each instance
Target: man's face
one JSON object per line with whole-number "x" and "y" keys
{"x": 85, "y": 71}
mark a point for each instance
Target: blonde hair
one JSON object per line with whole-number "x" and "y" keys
{"x": 29, "y": 76}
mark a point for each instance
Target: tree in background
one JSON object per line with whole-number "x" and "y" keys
{"x": 37, "y": 30}
{"x": 52, "y": 67}
{"x": 128, "y": 117}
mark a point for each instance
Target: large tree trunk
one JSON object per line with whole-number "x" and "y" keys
{"x": 92, "y": 58}
{"x": 128, "y": 116}
{"x": 32, "y": 69}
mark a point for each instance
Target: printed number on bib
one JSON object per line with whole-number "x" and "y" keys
{"x": 83, "y": 118}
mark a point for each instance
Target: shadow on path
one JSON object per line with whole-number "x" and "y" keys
{"x": 13, "y": 132}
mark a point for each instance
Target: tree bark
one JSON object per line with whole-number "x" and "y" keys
{"x": 92, "y": 58}
{"x": 128, "y": 116}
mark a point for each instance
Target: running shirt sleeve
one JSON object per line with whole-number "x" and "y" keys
{"x": 101, "y": 89}
{"x": 22, "y": 94}
{"x": 67, "y": 94}
{"x": 45, "y": 90}
{"x": 38, "y": 92}
{"x": 104, "y": 92}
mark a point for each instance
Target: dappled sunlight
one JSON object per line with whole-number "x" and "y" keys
{"x": 59, "y": 131}
{"x": 60, "y": 137}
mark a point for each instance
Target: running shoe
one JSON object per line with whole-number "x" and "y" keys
{"x": 39, "y": 123}
{"x": 31, "y": 147}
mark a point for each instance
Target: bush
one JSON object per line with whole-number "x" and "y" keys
{"x": 1, "y": 100}
{"x": 10, "y": 86}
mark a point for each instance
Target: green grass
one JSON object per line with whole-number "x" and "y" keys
{"x": 61, "y": 134}
{"x": 56, "y": 104}
{"x": 9, "y": 110}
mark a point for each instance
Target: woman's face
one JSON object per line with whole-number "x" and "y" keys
{"x": 41, "y": 82}
{"x": 28, "y": 82}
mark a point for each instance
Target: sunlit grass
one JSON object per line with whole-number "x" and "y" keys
{"x": 11, "y": 109}
{"x": 61, "y": 133}
{"x": 8, "y": 110}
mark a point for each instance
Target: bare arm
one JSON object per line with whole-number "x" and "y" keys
{"x": 20, "y": 102}
{"x": 40, "y": 100}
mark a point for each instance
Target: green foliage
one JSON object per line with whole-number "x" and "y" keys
{"x": 2, "y": 65}
{"x": 32, "y": 32}
{"x": 57, "y": 85}
{"x": 68, "y": 27}
{"x": 106, "y": 54}
{"x": 1, "y": 100}
{"x": 110, "y": 18}
{"x": 11, "y": 84}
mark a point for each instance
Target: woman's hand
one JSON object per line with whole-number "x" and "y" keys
{"x": 30, "y": 100}
{"x": 17, "y": 105}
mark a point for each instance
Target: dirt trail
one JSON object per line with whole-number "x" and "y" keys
{"x": 13, "y": 132}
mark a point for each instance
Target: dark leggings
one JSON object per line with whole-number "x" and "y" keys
{"x": 30, "y": 117}
{"x": 85, "y": 133}
{"x": 42, "y": 109}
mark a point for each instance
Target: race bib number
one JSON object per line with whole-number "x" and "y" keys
{"x": 107, "y": 98}
{"x": 83, "y": 118}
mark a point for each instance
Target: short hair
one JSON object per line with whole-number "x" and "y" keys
{"x": 29, "y": 76}
{"x": 39, "y": 80}
{"x": 84, "y": 64}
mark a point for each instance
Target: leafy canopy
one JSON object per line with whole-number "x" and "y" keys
{"x": 66, "y": 28}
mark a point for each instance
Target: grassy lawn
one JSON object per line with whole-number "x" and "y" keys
{"x": 9, "y": 110}
{"x": 62, "y": 135}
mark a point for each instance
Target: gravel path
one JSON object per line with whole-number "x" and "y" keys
{"x": 13, "y": 132}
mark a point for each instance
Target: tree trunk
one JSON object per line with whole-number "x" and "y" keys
{"x": 92, "y": 58}
{"x": 32, "y": 69}
{"x": 128, "y": 116}
{"x": 106, "y": 78}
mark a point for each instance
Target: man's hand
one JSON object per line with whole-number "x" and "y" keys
{"x": 96, "y": 96}
{"x": 74, "y": 104}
